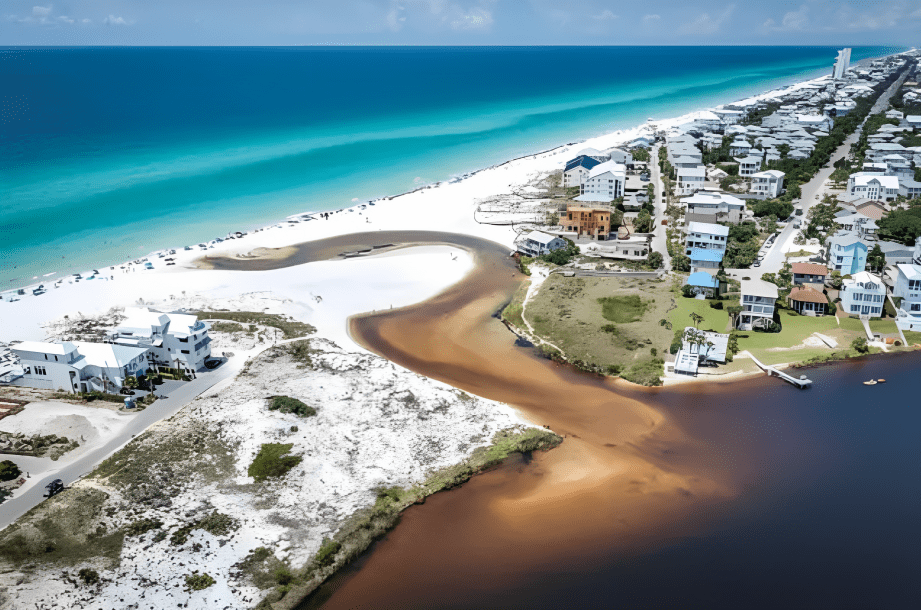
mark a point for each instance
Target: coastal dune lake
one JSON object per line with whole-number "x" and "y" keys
{"x": 746, "y": 494}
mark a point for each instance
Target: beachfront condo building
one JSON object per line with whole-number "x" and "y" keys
{"x": 176, "y": 340}
{"x": 863, "y": 295}
{"x": 758, "y": 301}
{"x": 585, "y": 221}
{"x": 77, "y": 366}
{"x": 907, "y": 288}
{"x": 768, "y": 184}
{"x": 719, "y": 205}
{"x": 749, "y": 166}
{"x": 705, "y": 245}
{"x": 690, "y": 179}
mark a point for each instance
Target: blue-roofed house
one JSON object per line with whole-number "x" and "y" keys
{"x": 577, "y": 170}
{"x": 705, "y": 245}
{"x": 704, "y": 283}
{"x": 847, "y": 254}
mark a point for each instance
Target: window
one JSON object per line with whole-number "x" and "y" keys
{"x": 857, "y": 296}
{"x": 914, "y": 284}
{"x": 855, "y": 308}
{"x": 185, "y": 351}
{"x": 184, "y": 340}
{"x": 40, "y": 370}
{"x": 915, "y": 307}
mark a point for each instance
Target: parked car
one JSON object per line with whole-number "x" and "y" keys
{"x": 53, "y": 488}
{"x": 756, "y": 264}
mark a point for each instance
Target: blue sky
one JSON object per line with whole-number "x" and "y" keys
{"x": 458, "y": 22}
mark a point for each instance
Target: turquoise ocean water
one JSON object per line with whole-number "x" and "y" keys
{"x": 109, "y": 153}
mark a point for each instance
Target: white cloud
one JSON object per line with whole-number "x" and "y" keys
{"x": 605, "y": 15}
{"x": 41, "y": 11}
{"x": 916, "y": 13}
{"x": 113, "y": 20}
{"x": 438, "y": 15}
{"x": 85, "y": 21}
{"x": 651, "y": 19}
{"x": 65, "y": 19}
{"x": 477, "y": 18}
{"x": 705, "y": 24}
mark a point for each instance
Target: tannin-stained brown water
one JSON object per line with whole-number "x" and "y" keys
{"x": 616, "y": 514}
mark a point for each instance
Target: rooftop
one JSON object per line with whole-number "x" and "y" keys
{"x": 809, "y": 269}
{"x": 709, "y": 255}
{"x": 710, "y": 229}
{"x": 759, "y": 288}
{"x": 807, "y": 294}
{"x": 43, "y": 347}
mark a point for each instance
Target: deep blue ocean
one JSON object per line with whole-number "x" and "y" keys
{"x": 109, "y": 153}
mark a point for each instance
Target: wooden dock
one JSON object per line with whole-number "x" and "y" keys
{"x": 800, "y": 382}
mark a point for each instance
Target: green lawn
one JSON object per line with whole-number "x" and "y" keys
{"x": 714, "y": 319}
{"x": 912, "y": 337}
{"x": 794, "y": 330}
{"x": 885, "y": 327}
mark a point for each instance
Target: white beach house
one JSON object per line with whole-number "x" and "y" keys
{"x": 177, "y": 340}
{"x": 576, "y": 170}
{"x": 768, "y": 184}
{"x": 690, "y": 179}
{"x": 78, "y": 366}
{"x": 907, "y": 288}
{"x": 749, "y": 166}
{"x": 605, "y": 182}
{"x": 873, "y": 186}
{"x": 863, "y": 295}
{"x": 720, "y": 205}
{"x": 537, "y": 243}
{"x": 758, "y": 301}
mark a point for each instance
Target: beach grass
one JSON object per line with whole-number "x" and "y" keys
{"x": 290, "y": 328}
{"x": 602, "y": 325}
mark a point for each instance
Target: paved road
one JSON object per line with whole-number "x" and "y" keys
{"x": 16, "y": 507}
{"x": 659, "y": 237}
{"x": 815, "y": 188}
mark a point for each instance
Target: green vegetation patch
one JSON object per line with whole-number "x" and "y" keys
{"x": 66, "y": 529}
{"x": 142, "y": 526}
{"x": 197, "y": 582}
{"x": 216, "y": 524}
{"x": 646, "y": 372}
{"x": 9, "y": 470}
{"x": 512, "y": 313}
{"x": 227, "y": 327}
{"x": 605, "y": 339}
{"x": 289, "y": 327}
{"x": 912, "y": 337}
{"x": 273, "y": 461}
{"x": 623, "y": 309}
{"x": 286, "y": 404}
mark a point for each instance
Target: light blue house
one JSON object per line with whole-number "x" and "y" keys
{"x": 705, "y": 260}
{"x": 703, "y": 283}
{"x": 908, "y": 288}
{"x": 863, "y": 295}
{"x": 847, "y": 254}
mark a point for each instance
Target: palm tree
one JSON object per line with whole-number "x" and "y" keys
{"x": 696, "y": 318}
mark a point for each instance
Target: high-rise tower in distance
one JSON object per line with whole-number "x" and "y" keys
{"x": 842, "y": 63}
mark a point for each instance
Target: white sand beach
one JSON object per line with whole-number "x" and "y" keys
{"x": 345, "y": 287}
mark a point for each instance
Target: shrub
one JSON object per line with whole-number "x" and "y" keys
{"x": 197, "y": 582}
{"x": 610, "y": 328}
{"x": 283, "y": 576}
{"x": 860, "y": 345}
{"x": 327, "y": 553}
{"x": 716, "y": 304}
{"x": 286, "y": 404}
{"x": 88, "y": 576}
{"x": 614, "y": 369}
{"x": 142, "y": 527}
{"x": 273, "y": 461}
{"x": 648, "y": 373}
{"x": 9, "y": 470}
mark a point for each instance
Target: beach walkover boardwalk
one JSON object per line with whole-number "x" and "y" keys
{"x": 802, "y": 382}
